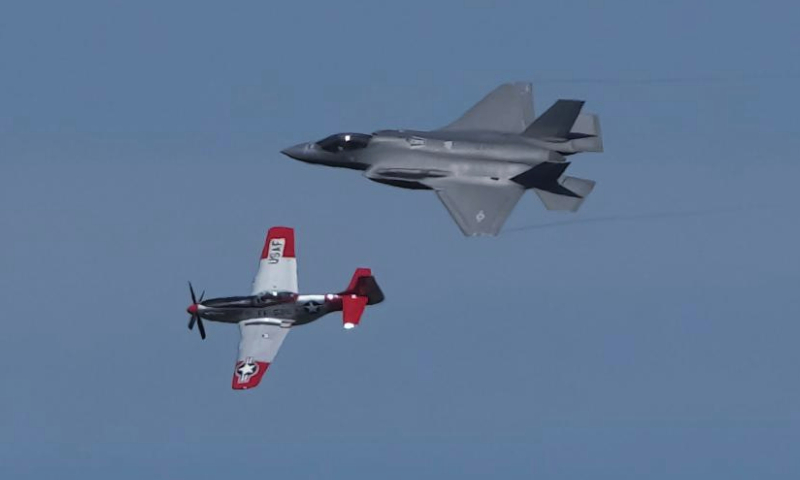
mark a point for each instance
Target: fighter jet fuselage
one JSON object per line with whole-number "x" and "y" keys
{"x": 415, "y": 155}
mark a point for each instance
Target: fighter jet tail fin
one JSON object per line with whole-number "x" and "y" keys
{"x": 557, "y": 122}
{"x": 569, "y": 196}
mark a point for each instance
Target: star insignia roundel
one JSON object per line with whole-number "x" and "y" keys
{"x": 246, "y": 369}
{"x": 312, "y": 306}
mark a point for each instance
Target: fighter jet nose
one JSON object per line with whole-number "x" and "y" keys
{"x": 192, "y": 309}
{"x": 298, "y": 152}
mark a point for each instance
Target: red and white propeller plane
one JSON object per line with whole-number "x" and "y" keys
{"x": 275, "y": 306}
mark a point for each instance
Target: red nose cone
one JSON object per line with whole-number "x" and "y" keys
{"x": 192, "y": 309}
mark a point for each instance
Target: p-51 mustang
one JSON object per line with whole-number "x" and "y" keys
{"x": 274, "y": 307}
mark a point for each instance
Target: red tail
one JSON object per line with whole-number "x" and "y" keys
{"x": 362, "y": 291}
{"x": 360, "y": 272}
{"x": 279, "y": 244}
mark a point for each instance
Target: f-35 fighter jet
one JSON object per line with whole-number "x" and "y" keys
{"x": 481, "y": 164}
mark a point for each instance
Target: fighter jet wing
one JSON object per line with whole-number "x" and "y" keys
{"x": 277, "y": 270}
{"x": 508, "y": 109}
{"x": 478, "y": 207}
{"x": 261, "y": 338}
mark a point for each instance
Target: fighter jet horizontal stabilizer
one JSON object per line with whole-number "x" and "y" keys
{"x": 543, "y": 175}
{"x": 557, "y": 192}
{"x": 577, "y": 188}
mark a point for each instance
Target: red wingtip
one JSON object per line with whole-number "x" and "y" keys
{"x": 248, "y": 373}
{"x": 279, "y": 243}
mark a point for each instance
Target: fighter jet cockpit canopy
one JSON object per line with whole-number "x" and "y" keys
{"x": 267, "y": 298}
{"x": 344, "y": 142}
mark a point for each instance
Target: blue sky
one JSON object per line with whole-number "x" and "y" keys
{"x": 651, "y": 334}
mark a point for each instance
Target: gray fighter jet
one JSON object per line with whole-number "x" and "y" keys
{"x": 481, "y": 164}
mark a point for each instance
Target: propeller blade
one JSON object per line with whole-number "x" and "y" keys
{"x": 191, "y": 290}
{"x": 195, "y": 316}
{"x": 201, "y": 328}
